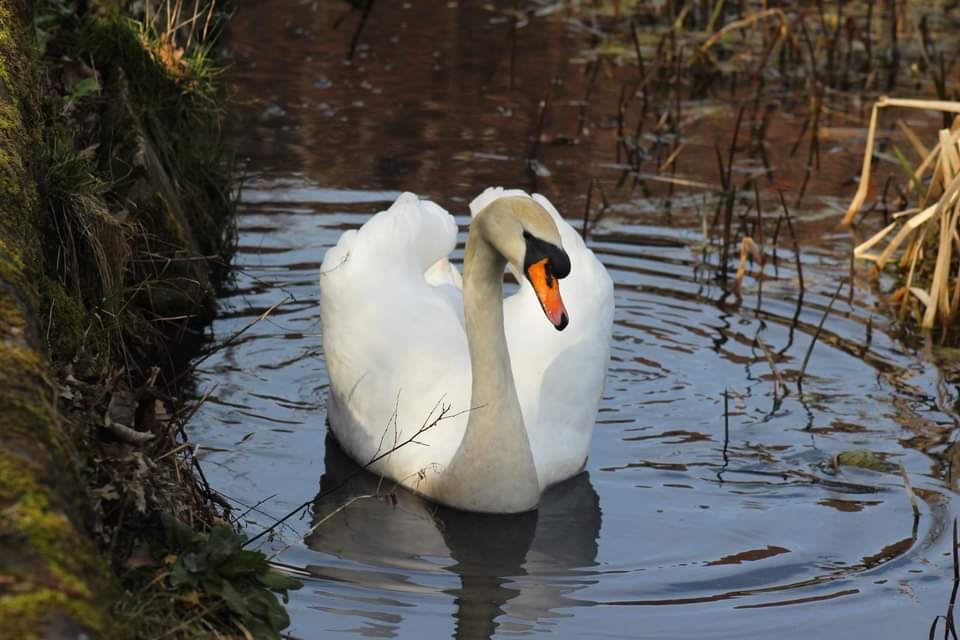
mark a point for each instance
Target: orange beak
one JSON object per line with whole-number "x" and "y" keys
{"x": 548, "y": 292}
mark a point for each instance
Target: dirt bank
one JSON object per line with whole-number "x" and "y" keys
{"x": 115, "y": 224}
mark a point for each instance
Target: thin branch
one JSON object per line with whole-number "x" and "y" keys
{"x": 230, "y": 341}
{"x": 816, "y": 334}
{"x": 444, "y": 415}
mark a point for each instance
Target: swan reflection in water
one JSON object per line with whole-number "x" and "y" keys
{"x": 524, "y": 566}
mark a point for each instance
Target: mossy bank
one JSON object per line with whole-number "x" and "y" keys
{"x": 115, "y": 225}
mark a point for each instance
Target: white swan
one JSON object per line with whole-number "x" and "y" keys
{"x": 400, "y": 336}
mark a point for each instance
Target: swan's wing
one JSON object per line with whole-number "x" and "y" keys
{"x": 447, "y": 281}
{"x": 411, "y": 234}
{"x": 394, "y": 343}
{"x": 559, "y": 374}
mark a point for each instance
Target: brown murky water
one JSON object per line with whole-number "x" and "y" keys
{"x": 685, "y": 524}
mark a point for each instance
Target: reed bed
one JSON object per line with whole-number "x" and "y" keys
{"x": 923, "y": 239}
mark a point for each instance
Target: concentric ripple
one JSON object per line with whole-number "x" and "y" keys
{"x": 711, "y": 505}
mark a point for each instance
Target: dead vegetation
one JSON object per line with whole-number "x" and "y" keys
{"x": 802, "y": 72}
{"x": 925, "y": 245}
{"x": 817, "y": 58}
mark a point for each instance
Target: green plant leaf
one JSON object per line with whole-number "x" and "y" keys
{"x": 276, "y": 581}
{"x": 266, "y": 607}
{"x": 217, "y": 563}
{"x": 277, "y": 614}
{"x": 907, "y": 167}
{"x": 193, "y": 562}
{"x": 222, "y": 542}
{"x": 261, "y": 630}
{"x": 244, "y": 563}
{"x": 83, "y": 88}
{"x": 235, "y": 600}
{"x": 180, "y": 577}
{"x": 178, "y": 536}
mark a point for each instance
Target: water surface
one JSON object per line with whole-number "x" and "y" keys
{"x": 710, "y": 505}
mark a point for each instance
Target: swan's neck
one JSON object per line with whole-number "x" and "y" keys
{"x": 493, "y": 468}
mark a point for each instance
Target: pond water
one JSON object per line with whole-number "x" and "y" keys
{"x": 710, "y": 505}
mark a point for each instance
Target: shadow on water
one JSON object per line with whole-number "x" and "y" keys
{"x": 366, "y": 519}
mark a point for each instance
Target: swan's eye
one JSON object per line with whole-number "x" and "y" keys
{"x": 558, "y": 263}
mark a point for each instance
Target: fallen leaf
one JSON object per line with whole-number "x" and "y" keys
{"x": 119, "y": 418}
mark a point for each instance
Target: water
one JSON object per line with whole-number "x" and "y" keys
{"x": 686, "y": 523}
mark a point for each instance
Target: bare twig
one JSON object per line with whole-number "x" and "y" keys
{"x": 230, "y": 340}
{"x": 426, "y": 426}
{"x": 778, "y": 379}
{"x": 950, "y": 627}
{"x": 367, "y": 8}
{"x": 910, "y": 494}
{"x": 586, "y": 210}
{"x": 816, "y": 334}
{"x": 793, "y": 237}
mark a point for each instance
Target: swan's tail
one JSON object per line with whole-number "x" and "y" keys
{"x": 411, "y": 232}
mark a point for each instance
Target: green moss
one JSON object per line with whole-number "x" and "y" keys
{"x": 29, "y": 417}
{"x": 40, "y": 545}
{"x": 32, "y": 517}
{"x": 18, "y": 198}
{"x": 56, "y": 285}
{"x": 26, "y": 615}
{"x": 68, "y": 323}
{"x": 12, "y": 322}
{"x": 56, "y": 568}
{"x": 19, "y": 364}
{"x": 166, "y": 223}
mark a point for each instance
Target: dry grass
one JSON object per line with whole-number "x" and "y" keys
{"x": 926, "y": 241}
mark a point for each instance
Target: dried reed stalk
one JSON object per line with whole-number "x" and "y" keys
{"x": 928, "y": 228}
{"x": 748, "y": 248}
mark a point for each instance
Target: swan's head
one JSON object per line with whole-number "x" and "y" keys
{"x": 525, "y": 234}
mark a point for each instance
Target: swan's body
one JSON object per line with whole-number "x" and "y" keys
{"x": 401, "y": 339}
